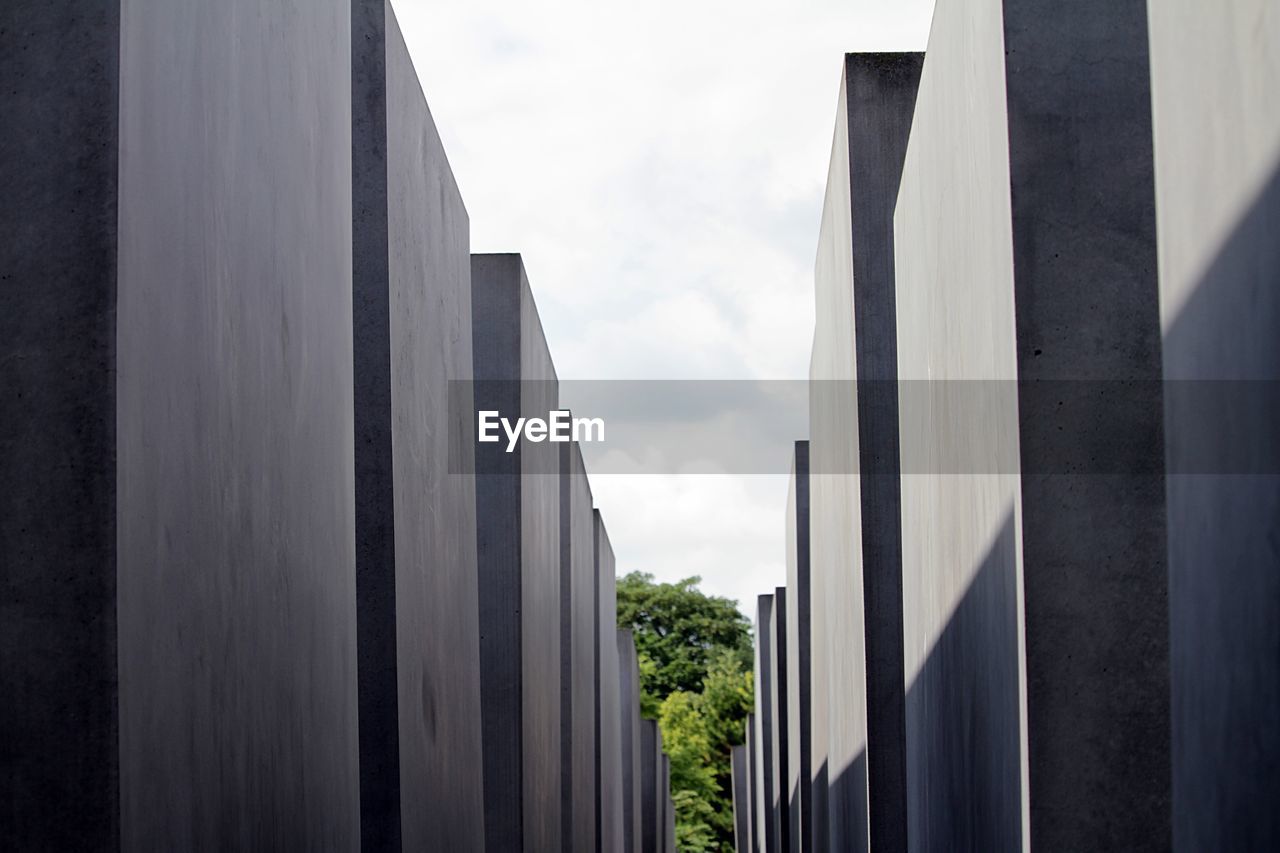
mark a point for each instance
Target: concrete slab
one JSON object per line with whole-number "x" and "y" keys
{"x": 417, "y": 606}
{"x": 632, "y": 757}
{"x": 650, "y": 779}
{"x": 753, "y": 781}
{"x": 235, "y": 514}
{"x": 781, "y": 728}
{"x": 740, "y": 769}
{"x": 579, "y": 609}
{"x": 799, "y": 788}
{"x": 1217, "y": 162}
{"x": 608, "y": 797}
{"x": 765, "y": 681}
{"x": 1024, "y": 245}
{"x": 669, "y": 822}
{"x": 518, "y": 536}
{"x": 856, "y": 523}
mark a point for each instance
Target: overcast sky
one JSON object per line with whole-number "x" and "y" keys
{"x": 660, "y": 166}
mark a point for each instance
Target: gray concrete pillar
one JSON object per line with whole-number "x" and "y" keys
{"x": 855, "y": 493}
{"x": 799, "y": 786}
{"x": 632, "y": 757}
{"x": 579, "y": 609}
{"x": 1034, "y": 579}
{"x": 610, "y": 828}
{"x": 518, "y": 536}
{"x": 765, "y": 681}
{"x": 417, "y": 607}
{"x": 177, "y": 532}
{"x": 740, "y": 767}
{"x": 1217, "y": 165}
{"x": 780, "y": 730}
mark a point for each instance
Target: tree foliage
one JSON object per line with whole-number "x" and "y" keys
{"x": 695, "y": 678}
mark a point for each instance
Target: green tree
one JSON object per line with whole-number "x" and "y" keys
{"x": 695, "y": 671}
{"x": 678, "y": 629}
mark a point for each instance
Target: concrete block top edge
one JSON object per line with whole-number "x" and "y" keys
{"x": 884, "y": 59}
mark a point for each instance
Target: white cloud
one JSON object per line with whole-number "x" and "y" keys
{"x": 660, "y": 166}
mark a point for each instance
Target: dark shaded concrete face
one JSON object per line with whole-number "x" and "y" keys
{"x": 962, "y": 720}
{"x": 778, "y": 703}
{"x": 650, "y": 774}
{"x": 1217, "y": 150}
{"x": 235, "y": 513}
{"x": 799, "y": 625}
{"x": 1094, "y": 555}
{"x": 59, "y": 97}
{"x": 416, "y": 566}
{"x": 518, "y": 546}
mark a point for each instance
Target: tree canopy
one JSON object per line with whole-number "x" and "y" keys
{"x": 695, "y": 659}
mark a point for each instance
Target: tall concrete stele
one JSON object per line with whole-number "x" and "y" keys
{"x": 578, "y": 613}
{"x": 857, "y": 737}
{"x": 518, "y": 528}
{"x": 1089, "y": 596}
{"x": 1035, "y": 577}
{"x": 417, "y": 611}
{"x": 1215, "y": 77}
{"x": 177, "y": 532}
{"x": 798, "y": 789}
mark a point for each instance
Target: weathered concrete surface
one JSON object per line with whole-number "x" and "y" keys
{"x": 778, "y": 705}
{"x": 881, "y": 92}
{"x": 59, "y": 96}
{"x": 518, "y": 536}
{"x": 632, "y": 797}
{"x": 767, "y": 821}
{"x": 856, "y": 524}
{"x": 1217, "y": 155}
{"x": 961, "y": 567}
{"x": 1025, "y": 249}
{"x": 579, "y": 609}
{"x": 740, "y": 770}
{"x": 799, "y": 787}
{"x": 234, "y": 425}
{"x": 608, "y": 693}
{"x": 1087, "y": 307}
{"x": 417, "y": 606}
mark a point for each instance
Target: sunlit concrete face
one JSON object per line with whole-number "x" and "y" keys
{"x": 1217, "y": 155}
{"x": 1034, "y": 584}
{"x": 839, "y": 721}
{"x": 518, "y": 536}
{"x": 417, "y": 606}
{"x": 961, "y": 562}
